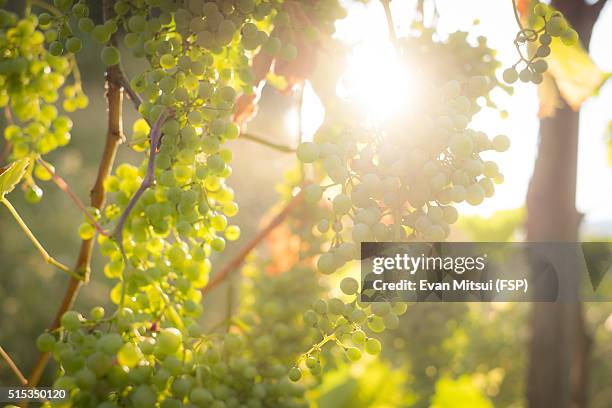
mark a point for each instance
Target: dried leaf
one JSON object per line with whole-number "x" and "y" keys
{"x": 576, "y": 75}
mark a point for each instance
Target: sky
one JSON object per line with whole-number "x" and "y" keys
{"x": 371, "y": 63}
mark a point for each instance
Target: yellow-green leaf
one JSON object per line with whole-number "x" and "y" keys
{"x": 11, "y": 175}
{"x": 576, "y": 75}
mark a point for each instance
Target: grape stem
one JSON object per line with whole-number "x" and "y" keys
{"x": 262, "y": 141}
{"x": 131, "y": 93}
{"x": 240, "y": 257}
{"x": 149, "y": 179}
{"x": 61, "y": 183}
{"x": 516, "y": 15}
{"x": 114, "y": 137}
{"x": 13, "y": 366}
{"x": 390, "y": 24}
{"x": 43, "y": 252}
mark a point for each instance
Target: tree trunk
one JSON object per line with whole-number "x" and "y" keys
{"x": 559, "y": 345}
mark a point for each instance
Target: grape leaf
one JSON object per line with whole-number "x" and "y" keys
{"x": 11, "y": 175}
{"x": 576, "y": 75}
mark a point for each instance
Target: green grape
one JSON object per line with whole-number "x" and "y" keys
{"x": 129, "y": 355}
{"x": 349, "y": 286}
{"x": 475, "y": 194}
{"x": 353, "y": 353}
{"x": 569, "y": 37}
{"x": 313, "y": 193}
{"x": 501, "y": 143}
{"x": 308, "y": 152}
{"x": 46, "y": 342}
{"x": 556, "y": 26}
{"x": 110, "y": 56}
{"x": 373, "y": 346}
{"x": 510, "y": 75}
{"x": 525, "y": 75}
{"x": 295, "y": 374}
{"x": 71, "y": 320}
{"x": 74, "y": 45}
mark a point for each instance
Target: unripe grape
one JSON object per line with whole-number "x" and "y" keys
{"x": 376, "y": 324}
{"x": 86, "y": 231}
{"x": 71, "y": 320}
{"x": 556, "y": 26}
{"x": 100, "y": 34}
{"x": 74, "y": 45}
{"x": 295, "y": 374}
{"x": 308, "y": 152}
{"x": 510, "y": 75}
{"x": 45, "y": 342}
{"x": 353, "y": 353}
{"x": 56, "y": 48}
{"x": 525, "y": 75}
{"x": 475, "y": 194}
{"x": 349, "y": 286}
{"x": 373, "y": 346}
{"x": 326, "y": 263}
{"x": 539, "y": 66}
{"x": 110, "y": 56}
{"x": 313, "y": 193}
{"x": 545, "y": 39}
{"x": 543, "y": 51}
{"x": 501, "y": 143}
{"x": 569, "y": 37}
{"x": 540, "y": 10}
{"x": 97, "y": 313}
{"x": 358, "y": 337}
{"x": 129, "y": 355}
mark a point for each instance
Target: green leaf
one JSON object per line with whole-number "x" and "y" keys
{"x": 11, "y": 175}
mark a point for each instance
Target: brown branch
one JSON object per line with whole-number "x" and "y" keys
{"x": 131, "y": 93}
{"x": 240, "y": 257}
{"x": 264, "y": 142}
{"x": 13, "y": 366}
{"x": 114, "y": 137}
{"x": 149, "y": 178}
{"x": 61, "y": 183}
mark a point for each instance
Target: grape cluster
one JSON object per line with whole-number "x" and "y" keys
{"x": 546, "y": 23}
{"x": 346, "y": 322}
{"x": 146, "y": 366}
{"x": 30, "y": 79}
{"x": 400, "y": 181}
{"x": 151, "y": 350}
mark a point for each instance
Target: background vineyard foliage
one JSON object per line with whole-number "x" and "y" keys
{"x": 468, "y": 351}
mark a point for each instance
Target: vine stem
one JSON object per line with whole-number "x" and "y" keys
{"x": 390, "y": 25}
{"x": 61, "y": 183}
{"x": 114, "y": 137}
{"x": 43, "y": 252}
{"x": 264, "y": 142}
{"x": 516, "y": 15}
{"x": 13, "y": 366}
{"x": 244, "y": 252}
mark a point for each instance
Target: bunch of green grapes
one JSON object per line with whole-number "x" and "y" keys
{"x": 546, "y": 23}
{"x": 401, "y": 181}
{"x": 151, "y": 350}
{"x": 31, "y": 77}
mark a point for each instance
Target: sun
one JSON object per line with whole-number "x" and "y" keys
{"x": 377, "y": 82}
